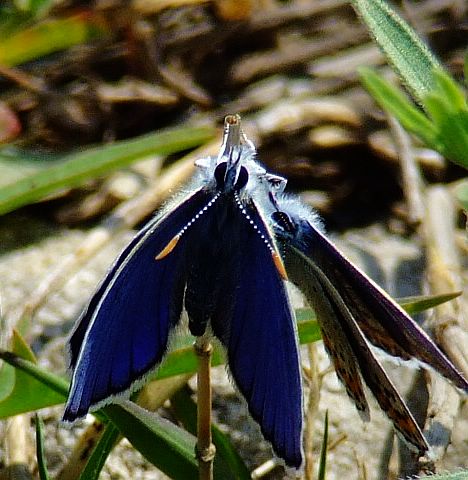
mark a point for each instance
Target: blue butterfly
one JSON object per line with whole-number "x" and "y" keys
{"x": 221, "y": 251}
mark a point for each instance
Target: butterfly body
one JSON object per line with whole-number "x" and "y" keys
{"x": 222, "y": 252}
{"x": 214, "y": 255}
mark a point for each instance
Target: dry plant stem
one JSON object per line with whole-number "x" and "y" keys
{"x": 314, "y": 382}
{"x": 17, "y": 441}
{"x": 449, "y": 323}
{"x": 410, "y": 173}
{"x": 24, "y": 80}
{"x": 264, "y": 468}
{"x": 205, "y": 450}
{"x": 413, "y": 191}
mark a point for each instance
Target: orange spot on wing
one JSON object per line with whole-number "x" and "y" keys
{"x": 168, "y": 248}
{"x": 279, "y": 265}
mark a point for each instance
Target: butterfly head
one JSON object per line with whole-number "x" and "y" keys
{"x": 234, "y": 169}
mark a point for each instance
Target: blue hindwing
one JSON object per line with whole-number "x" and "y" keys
{"x": 381, "y": 319}
{"x": 255, "y": 323}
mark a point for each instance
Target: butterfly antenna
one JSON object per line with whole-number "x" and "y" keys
{"x": 232, "y": 135}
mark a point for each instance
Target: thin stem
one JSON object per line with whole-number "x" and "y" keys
{"x": 205, "y": 449}
{"x": 314, "y": 381}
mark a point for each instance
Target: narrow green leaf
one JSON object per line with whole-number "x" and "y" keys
{"x": 404, "y": 49}
{"x": 436, "y": 107}
{"x": 78, "y": 167}
{"x": 100, "y": 453}
{"x": 227, "y": 464}
{"x": 450, "y": 117}
{"x": 165, "y": 445}
{"x": 453, "y": 136}
{"x": 7, "y": 381}
{"x": 49, "y": 36}
{"x": 323, "y": 451}
{"x": 420, "y": 303}
{"x": 41, "y": 461}
{"x": 448, "y": 88}
{"x": 309, "y": 331}
{"x": 11, "y": 171}
{"x": 34, "y": 388}
{"x": 395, "y": 102}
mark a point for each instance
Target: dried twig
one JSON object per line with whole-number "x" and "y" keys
{"x": 448, "y": 322}
{"x": 412, "y": 182}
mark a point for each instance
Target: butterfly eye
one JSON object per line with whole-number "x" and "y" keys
{"x": 283, "y": 220}
{"x": 220, "y": 175}
{"x": 242, "y": 179}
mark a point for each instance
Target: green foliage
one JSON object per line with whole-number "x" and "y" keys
{"x": 150, "y": 435}
{"x": 75, "y": 168}
{"x": 31, "y": 42}
{"x": 41, "y": 462}
{"x": 25, "y": 392}
{"x": 35, "y": 8}
{"x": 444, "y": 125}
{"x": 405, "y": 51}
{"x": 100, "y": 453}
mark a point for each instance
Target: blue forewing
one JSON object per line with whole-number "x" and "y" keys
{"x": 213, "y": 254}
{"x": 125, "y": 329}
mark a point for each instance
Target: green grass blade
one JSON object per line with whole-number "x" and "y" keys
{"x": 165, "y": 445}
{"x": 33, "y": 387}
{"x": 323, "y": 451}
{"x": 41, "y": 461}
{"x": 448, "y": 88}
{"x": 46, "y": 37}
{"x": 78, "y": 167}
{"x": 100, "y": 453}
{"x": 451, "y": 124}
{"x": 395, "y": 102}
{"x": 404, "y": 49}
{"x": 453, "y": 136}
{"x": 420, "y": 303}
{"x": 184, "y": 360}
